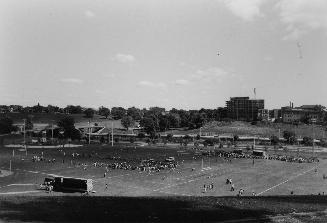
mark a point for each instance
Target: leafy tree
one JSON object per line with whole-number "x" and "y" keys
{"x": 289, "y": 136}
{"x": 104, "y": 111}
{"x": 307, "y": 141}
{"x": 28, "y": 123}
{"x": 274, "y": 140}
{"x": 67, "y": 124}
{"x": 118, "y": 112}
{"x": 150, "y": 125}
{"x": 127, "y": 121}
{"x": 71, "y": 109}
{"x": 89, "y": 113}
{"x": 141, "y": 135}
{"x": 6, "y": 126}
{"x": 135, "y": 113}
{"x": 186, "y": 140}
{"x": 174, "y": 120}
{"x": 169, "y": 137}
{"x": 236, "y": 138}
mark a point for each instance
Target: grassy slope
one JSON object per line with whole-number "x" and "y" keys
{"x": 148, "y": 209}
{"x": 265, "y": 130}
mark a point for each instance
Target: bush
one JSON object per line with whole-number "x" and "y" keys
{"x": 274, "y": 140}
{"x": 141, "y": 135}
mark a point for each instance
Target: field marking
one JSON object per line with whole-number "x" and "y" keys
{"x": 20, "y": 192}
{"x": 196, "y": 178}
{"x": 21, "y": 185}
{"x": 291, "y": 178}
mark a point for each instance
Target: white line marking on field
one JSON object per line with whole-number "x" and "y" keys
{"x": 20, "y": 185}
{"x": 291, "y": 178}
{"x": 21, "y": 192}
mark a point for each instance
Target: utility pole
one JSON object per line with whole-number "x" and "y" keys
{"x": 52, "y": 132}
{"x": 24, "y": 131}
{"x": 112, "y": 133}
{"x": 10, "y": 165}
{"x": 313, "y": 141}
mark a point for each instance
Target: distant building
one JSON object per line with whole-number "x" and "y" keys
{"x": 263, "y": 115}
{"x": 244, "y": 108}
{"x": 275, "y": 114}
{"x": 304, "y": 113}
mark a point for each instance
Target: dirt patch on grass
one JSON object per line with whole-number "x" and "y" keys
{"x": 4, "y": 173}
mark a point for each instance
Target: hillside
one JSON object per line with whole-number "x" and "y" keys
{"x": 261, "y": 129}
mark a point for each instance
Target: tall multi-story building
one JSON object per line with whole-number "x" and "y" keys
{"x": 244, "y": 108}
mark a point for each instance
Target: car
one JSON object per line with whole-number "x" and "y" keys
{"x": 170, "y": 159}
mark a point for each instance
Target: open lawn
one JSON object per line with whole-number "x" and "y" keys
{"x": 180, "y": 190}
{"x": 261, "y": 129}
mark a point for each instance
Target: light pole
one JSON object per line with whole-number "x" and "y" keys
{"x": 24, "y": 131}
{"x": 89, "y": 132}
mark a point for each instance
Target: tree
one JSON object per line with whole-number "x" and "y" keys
{"x": 72, "y": 109}
{"x": 186, "y": 140}
{"x": 6, "y": 126}
{"x": 135, "y": 113}
{"x": 118, "y": 112}
{"x": 307, "y": 141}
{"x": 89, "y": 113}
{"x": 174, "y": 120}
{"x": 68, "y": 125}
{"x": 127, "y": 121}
{"x": 104, "y": 111}
{"x": 236, "y": 138}
{"x": 28, "y": 123}
{"x": 169, "y": 137}
{"x": 149, "y": 125}
{"x": 289, "y": 136}
{"x": 141, "y": 135}
{"x": 274, "y": 140}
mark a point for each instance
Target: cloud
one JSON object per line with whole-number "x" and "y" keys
{"x": 124, "y": 58}
{"x": 209, "y": 74}
{"x": 89, "y": 14}
{"x": 152, "y": 84}
{"x": 72, "y": 80}
{"x": 302, "y": 16}
{"x": 245, "y": 9}
{"x": 182, "y": 82}
{"x": 110, "y": 75}
{"x": 267, "y": 58}
{"x": 99, "y": 91}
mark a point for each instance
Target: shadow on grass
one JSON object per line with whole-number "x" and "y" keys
{"x": 121, "y": 209}
{"x": 153, "y": 209}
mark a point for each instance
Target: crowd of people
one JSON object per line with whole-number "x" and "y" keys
{"x": 240, "y": 155}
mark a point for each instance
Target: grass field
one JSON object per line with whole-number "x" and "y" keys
{"x": 261, "y": 129}
{"x": 181, "y": 188}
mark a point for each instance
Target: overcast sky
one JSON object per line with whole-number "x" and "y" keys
{"x": 162, "y": 52}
